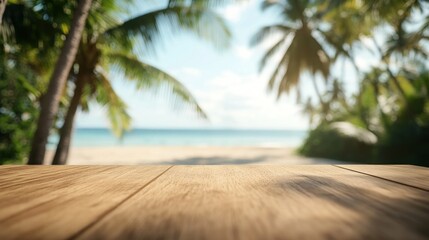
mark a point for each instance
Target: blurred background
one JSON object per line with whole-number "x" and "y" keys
{"x": 214, "y": 82}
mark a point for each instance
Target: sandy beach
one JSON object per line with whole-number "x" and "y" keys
{"x": 167, "y": 155}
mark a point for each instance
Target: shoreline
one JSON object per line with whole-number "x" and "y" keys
{"x": 186, "y": 155}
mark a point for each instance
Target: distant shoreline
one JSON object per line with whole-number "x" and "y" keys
{"x": 185, "y": 137}
{"x": 186, "y": 155}
{"x": 199, "y": 129}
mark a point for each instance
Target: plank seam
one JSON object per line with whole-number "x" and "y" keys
{"x": 386, "y": 179}
{"x": 107, "y": 212}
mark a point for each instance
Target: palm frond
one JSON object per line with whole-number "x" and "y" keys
{"x": 269, "y": 54}
{"x": 200, "y": 3}
{"x": 273, "y": 3}
{"x": 117, "y": 113}
{"x": 103, "y": 15}
{"x": 303, "y": 53}
{"x": 150, "y": 27}
{"x": 293, "y": 69}
{"x": 278, "y": 71}
{"x": 267, "y": 31}
{"x": 145, "y": 76}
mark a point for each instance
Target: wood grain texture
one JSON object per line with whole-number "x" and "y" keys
{"x": 55, "y": 202}
{"x": 267, "y": 202}
{"x": 406, "y": 174}
{"x": 27, "y": 187}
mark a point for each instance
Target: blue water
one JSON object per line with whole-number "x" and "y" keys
{"x": 88, "y": 137}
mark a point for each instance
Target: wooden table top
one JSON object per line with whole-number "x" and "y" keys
{"x": 214, "y": 202}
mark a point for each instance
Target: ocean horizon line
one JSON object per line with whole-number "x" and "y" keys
{"x": 185, "y": 137}
{"x": 199, "y": 129}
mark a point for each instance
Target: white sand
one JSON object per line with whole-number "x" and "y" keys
{"x": 186, "y": 156}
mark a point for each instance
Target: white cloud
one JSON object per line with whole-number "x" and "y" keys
{"x": 231, "y": 100}
{"x": 194, "y": 72}
{"x": 234, "y": 12}
{"x": 242, "y": 101}
{"x": 243, "y": 52}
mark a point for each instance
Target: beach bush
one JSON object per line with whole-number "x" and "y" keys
{"x": 406, "y": 140}
{"x": 403, "y": 140}
{"x": 329, "y": 141}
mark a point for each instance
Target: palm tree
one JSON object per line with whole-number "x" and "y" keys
{"x": 2, "y": 8}
{"x": 50, "y": 102}
{"x": 304, "y": 52}
{"x": 342, "y": 35}
{"x": 114, "y": 48}
{"x": 405, "y": 44}
{"x": 401, "y": 42}
{"x": 26, "y": 63}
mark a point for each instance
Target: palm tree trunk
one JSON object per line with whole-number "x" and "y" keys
{"x": 2, "y": 8}
{"x": 62, "y": 152}
{"x": 50, "y": 102}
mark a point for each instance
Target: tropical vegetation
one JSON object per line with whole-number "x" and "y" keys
{"x": 109, "y": 43}
{"x": 386, "y": 120}
{"x": 358, "y": 68}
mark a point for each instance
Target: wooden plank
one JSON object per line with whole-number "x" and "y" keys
{"x": 406, "y": 174}
{"x": 267, "y": 202}
{"x": 26, "y": 187}
{"x": 24, "y": 175}
{"x": 57, "y": 207}
{"x": 10, "y": 166}
{"x": 4, "y": 169}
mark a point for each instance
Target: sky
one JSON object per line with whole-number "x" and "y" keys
{"x": 226, "y": 83}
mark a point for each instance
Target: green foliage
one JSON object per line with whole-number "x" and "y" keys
{"x": 26, "y": 61}
{"x": 401, "y": 127}
{"x": 17, "y": 112}
{"x": 109, "y": 43}
{"x": 406, "y": 142}
{"x": 392, "y": 102}
{"x": 328, "y": 142}
{"x": 407, "y": 138}
{"x": 150, "y": 28}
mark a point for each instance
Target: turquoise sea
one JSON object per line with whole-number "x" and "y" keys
{"x": 89, "y": 137}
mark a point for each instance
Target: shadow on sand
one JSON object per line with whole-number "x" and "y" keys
{"x": 261, "y": 159}
{"x": 216, "y": 160}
